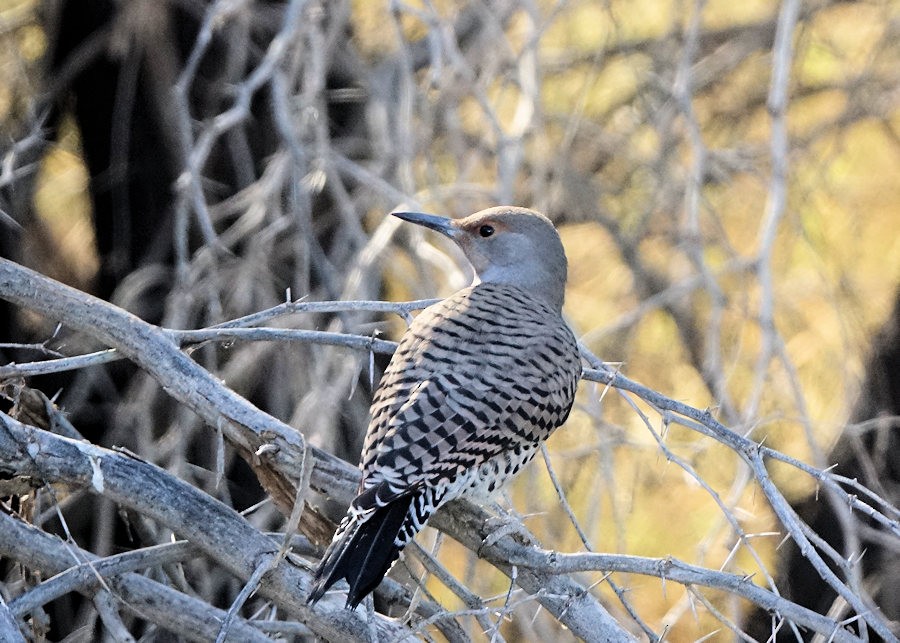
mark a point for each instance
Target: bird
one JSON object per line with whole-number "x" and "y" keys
{"x": 477, "y": 383}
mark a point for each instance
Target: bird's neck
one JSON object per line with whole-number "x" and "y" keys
{"x": 540, "y": 289}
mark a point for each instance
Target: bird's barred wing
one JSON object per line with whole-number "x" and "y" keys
{"x": 462, "y": 388}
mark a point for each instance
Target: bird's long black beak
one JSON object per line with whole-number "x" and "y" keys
{"x": 444, "y": 225}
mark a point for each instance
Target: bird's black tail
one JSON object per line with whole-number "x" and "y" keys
{"x": 362, "y": 551}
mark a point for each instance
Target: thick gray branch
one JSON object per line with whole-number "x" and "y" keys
{"x": 245, "y": 426}
{"x": 9, "y": 631}
{"x": 192, "y": 618}
{"x": 215, "y": 529}
{"x": 567, "y": 600}
{"x": 282, "y": 447}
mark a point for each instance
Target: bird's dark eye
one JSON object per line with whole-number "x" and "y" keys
{"x": 486, "y": 230}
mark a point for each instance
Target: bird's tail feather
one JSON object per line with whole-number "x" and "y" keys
{"x": 363, "y": 551}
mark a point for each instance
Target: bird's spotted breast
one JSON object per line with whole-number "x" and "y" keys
{"x": 484, "y": 371}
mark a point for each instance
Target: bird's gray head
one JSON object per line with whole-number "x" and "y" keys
{"x": 507, "y": 245}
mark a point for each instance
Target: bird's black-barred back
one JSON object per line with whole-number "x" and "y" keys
{"x": 478, "y": 381}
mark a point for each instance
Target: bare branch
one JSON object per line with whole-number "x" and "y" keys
{"x": 252, "y": 432}
{"x": 216, "y": 530}
{"x": 191, "y": 617}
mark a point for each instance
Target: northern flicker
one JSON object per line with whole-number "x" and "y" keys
{"x": 477, "y": 383}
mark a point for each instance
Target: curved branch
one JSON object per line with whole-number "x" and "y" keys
{"x": 273, "y": 449}
{"x": 193, "y": 618}
{"x": 217, "y": 530}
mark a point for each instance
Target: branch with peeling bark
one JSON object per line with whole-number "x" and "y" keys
{"x": 273, "y": 449}
{"x": 285, "y": 464}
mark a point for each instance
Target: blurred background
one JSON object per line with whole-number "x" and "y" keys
{"x": 725, "y": 177}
